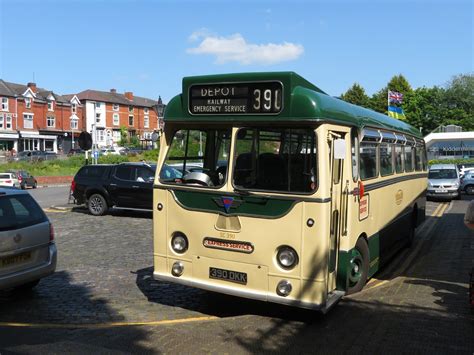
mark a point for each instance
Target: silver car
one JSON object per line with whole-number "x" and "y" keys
{"x": 443, "y": 182}
{"x": 467, "y": 182}
{"x": 27, "y": 249}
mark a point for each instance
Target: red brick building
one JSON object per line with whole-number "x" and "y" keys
{"x": 33, "y": 118}
{"x": 107, "y": 112}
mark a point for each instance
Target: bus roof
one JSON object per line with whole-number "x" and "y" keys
{"x": 302, "y": 102}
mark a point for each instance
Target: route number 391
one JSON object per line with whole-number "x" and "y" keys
{"x": 267, "y": 100}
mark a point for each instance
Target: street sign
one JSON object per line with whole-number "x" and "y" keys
{"x": 154, "y": 136}
{"x": 85, "y": 141}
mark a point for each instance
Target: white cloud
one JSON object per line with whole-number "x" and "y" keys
{"x": 198, "y": 34}
{"x": 235, "y": 48}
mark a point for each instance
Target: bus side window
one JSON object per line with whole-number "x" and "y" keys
{"x": 386, "y": 160}
{"x": 368, "y": 160}
{"x": 418, "y": 158}
{"x": 408, "y": 158}
{"x": 398, "y": 158}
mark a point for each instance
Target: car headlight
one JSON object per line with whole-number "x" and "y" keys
{"x": 179, "y": 242}
{"x": 287, "y": 257}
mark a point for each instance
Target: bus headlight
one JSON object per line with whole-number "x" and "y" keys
{"x": 284, "y": 288}
{"x": 287, "y": 257}
{"x": 179, "y": 243}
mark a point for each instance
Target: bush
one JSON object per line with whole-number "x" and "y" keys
{"x": 451, "y": 161}
{"x": 112, "y": 159}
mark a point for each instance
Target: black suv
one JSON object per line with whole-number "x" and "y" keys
{"x": 122, "y": 186}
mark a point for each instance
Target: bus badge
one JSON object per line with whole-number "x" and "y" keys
{"x": 227, "y": 202}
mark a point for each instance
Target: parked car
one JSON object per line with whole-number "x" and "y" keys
{"x": 443, "y": 182}
{"x": 107, "y": 151}
{"x": 34, "y": 155}
{"x": 467, "y": 183}
{"x": 9, "y": 179}
{"x": 122, "y": 186}
{"x": 75, "y": 151}
{"x": 27, "y": 249}
{"x": 26, "y": 179}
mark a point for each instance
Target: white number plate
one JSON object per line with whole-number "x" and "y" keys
{"x": 441, "y": 191}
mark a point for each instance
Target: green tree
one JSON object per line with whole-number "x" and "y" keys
{"x": 459, "y": 102}
{"x": 356, "y": 95}
{"x": 123, "y": 136}
{"x": 398, "y": 83}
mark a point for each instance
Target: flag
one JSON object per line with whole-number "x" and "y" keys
{"x": 395, "y": 97}
{"x": 396, "y": 112}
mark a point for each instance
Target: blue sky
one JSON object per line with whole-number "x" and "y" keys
{"x": 148, "y": 46}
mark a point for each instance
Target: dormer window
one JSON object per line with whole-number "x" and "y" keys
{"x": 50, "y": 106}
{"x": 115, "y": 107}
{"x": 28, "y": 102}
{"x": 4, "y": 103}
{"x": 73, "y": 108}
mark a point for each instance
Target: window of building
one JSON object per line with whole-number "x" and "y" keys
{"x": 50, "y": 106}
{"x": 97, "y": 105}
{"x": 146, "y": 110}
{"x": 146, "y": 122}
{"x": 130, "y": 109}
{"x": 368, "y": 160}
{"x": 4, "y": 103}
{"x": 73, "y": 108}
{"x": 9, "y": 121}
{"x": 386, "y": 160}
{"x": 130, "y": 120}
{"x": 74, "y": 123}
{"x": 116, "y": 135}
{"x": 408, "y": 158}
{"x": 116, "y": 119}
{"x": 97, "y": 118}
{"x": 100, "y": 135}
{"x": 28, "y": 102}
{"x": 115, "y": 107}
{"x": 2, "y": 121}
{"x": 28, "y": 120}
{"x": 50, "y": 121}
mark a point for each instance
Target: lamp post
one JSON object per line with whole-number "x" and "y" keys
{"x": 160, "y": 108}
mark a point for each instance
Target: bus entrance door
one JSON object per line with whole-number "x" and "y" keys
{"x": 338, "y": 154}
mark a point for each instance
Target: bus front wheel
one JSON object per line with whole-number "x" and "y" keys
{"x": 359, "y": 266}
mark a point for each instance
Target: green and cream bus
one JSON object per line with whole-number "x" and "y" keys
{"x": 272, "y": 190}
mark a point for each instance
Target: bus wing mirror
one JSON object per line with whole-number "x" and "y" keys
{"x": 339, "y": 148}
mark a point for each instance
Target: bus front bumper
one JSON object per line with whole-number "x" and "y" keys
{"x": 260, "y": 296}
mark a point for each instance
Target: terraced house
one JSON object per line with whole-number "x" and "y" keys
{"x": 107, "y": 112}
{"x": 33, "y": 118}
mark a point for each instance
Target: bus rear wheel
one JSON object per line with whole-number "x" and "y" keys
{"x": 359, "y": 267}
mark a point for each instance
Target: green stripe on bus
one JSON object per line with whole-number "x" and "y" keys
{"x": 253, "y": 206}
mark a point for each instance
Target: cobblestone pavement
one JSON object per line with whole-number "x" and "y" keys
{"x": 104, "y": 276}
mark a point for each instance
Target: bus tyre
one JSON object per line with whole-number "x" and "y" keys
{"x": 359, "y": 267}
{"x": 97, "y": 205}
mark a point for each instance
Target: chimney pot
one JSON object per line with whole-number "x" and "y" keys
{"x": 113, "y": 91}
{"x": 129, "y": 95}
{"x": 32, "y": 86}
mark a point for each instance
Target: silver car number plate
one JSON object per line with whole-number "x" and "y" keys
{"x": 228, "y": 275}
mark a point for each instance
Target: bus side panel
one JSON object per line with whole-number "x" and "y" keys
{"x": 160, "y": 235}
{"x": 314, "y": 252}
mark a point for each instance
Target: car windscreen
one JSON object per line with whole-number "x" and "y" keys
{"x": 442, "y": 174}
{"x": 19, "y": 211}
